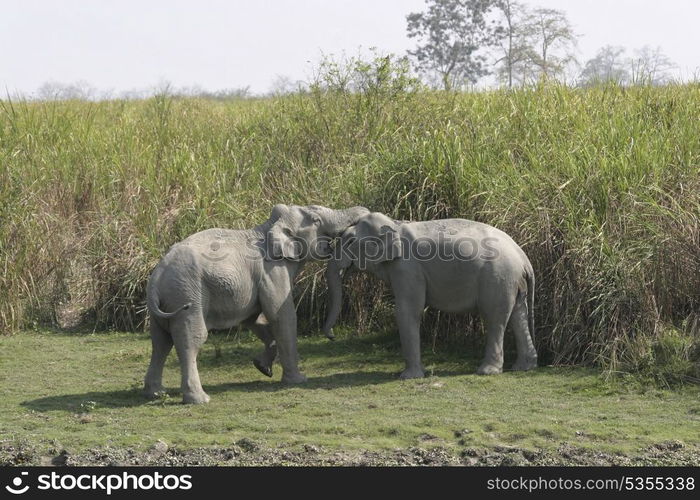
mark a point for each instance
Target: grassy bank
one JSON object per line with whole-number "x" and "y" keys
{"x": 600, "y": 186}
{"x": 84, "y": 393}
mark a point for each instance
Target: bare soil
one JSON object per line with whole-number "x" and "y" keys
{"x": 248, "y": 453}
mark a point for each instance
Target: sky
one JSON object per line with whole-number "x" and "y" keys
{"x": 121, "y": 45}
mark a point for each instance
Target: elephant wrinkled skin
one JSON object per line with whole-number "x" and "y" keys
{"x": 220, "y": 278}
{"x": 454, "y": 265}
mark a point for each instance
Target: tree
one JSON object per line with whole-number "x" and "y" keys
{"x": 515, "y": 43}
{"x": 451, "y": 34}
{"x": 56, "y": 91}
{"x": 533, "y": 44}
{"x": 651, "y": 66}
{"x": 283, "y": 85}
{"x": 648, "y": 66}
{"x": 554, "y": 41}
{"x": 608, "y": 65}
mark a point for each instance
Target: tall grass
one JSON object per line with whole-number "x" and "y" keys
{"x": 600, "y": 186}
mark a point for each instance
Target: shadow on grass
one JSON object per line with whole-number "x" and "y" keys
{"x": 361, "y": 352}
{"x": 129, "y": 398}
{"x": 375, "y": 348}
{"x": 334, "y": 381}
{"x": 74, "y": 403}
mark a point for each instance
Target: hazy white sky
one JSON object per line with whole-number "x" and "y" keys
{"x": 121, "y": 45}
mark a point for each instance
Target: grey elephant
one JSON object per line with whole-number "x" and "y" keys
{"x": 220, "y": 278}
{"x": 453, "y": 265}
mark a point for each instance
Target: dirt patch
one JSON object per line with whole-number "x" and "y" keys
{"x": 248, "y": 453}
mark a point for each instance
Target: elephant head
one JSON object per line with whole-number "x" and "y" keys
{"x": 305, "y": 233}
{"x": 370, "y": 243}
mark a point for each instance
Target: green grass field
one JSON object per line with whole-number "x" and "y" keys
{"x": 600, "y": 187}
{"x": 81, "y": 391}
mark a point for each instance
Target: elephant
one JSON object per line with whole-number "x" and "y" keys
{"x": 427, "y": 264}
{"x": 220, "y": 278}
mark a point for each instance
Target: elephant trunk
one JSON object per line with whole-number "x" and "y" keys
{"x": 337, "y": 221}
{"x": 335, "y": 296}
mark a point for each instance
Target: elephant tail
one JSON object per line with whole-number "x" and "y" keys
{"x": 530, "y": 274}
{"x": 153, "y": 303}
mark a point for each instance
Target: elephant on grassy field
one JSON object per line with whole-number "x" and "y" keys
{"x": 220, "y": 278}
{"x": 453, "y": 265}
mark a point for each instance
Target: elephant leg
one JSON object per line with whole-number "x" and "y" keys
{"x": 162, "y": 343}
{"x": 408, "y": 314}
{"x": 527, "y": 355}
{"x": 493, "y": 358}
{"x": 264, "y": 360}
{"x": 280, "y": 312}
{"x": 188, "y": 335}
{"x": 495, "y": 308}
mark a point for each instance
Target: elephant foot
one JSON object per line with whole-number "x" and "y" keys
{"x": 265, "y": 370}
{"x": 298, "y": 378}
{"x": 525, "y": 365}
{"x": 195, "y": 398}
{"x": 489, "y": 369}
{"x": 152, "y": 391}
{"x": 409, "y": 373}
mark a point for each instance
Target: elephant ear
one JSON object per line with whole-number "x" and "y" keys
{"x": 393, "y": 248}
{"x": 279, "y": 243}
